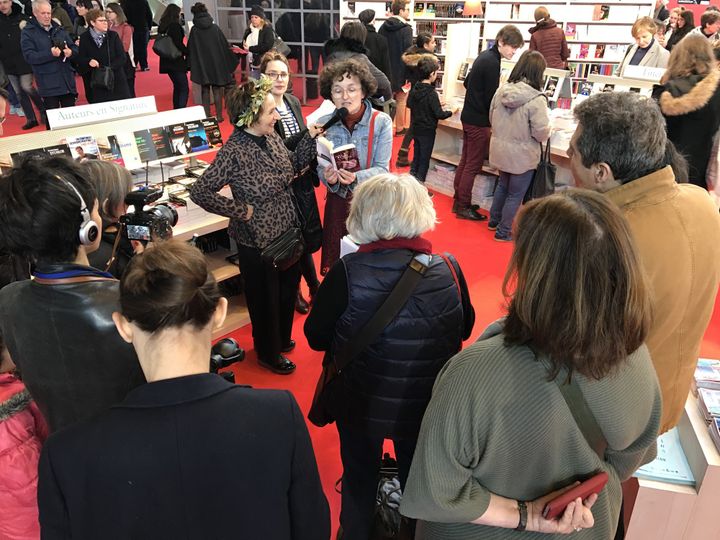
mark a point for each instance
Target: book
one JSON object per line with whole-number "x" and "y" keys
{"x": 430, "y": 9}
{"x": 464, "y": 70}
{"x": 570, "y": 31}
{"x": 707, "y": 374}
{"x": 670, "y": 465}
{"x": 551, "y": 87}
{"x": 515, "y": 11}
{"x": 179, "y": 141}
{"x": 584, "y": 49}
{"x": 343, "y": 157}
{"x": 129, "y": 150}
{"x": 419, "y": 10}
{"x": 161, "y": 142}
{"x": 601, "y": 12}
{"x": 715, "y": 432}
{"x": 212, "y": 130}
{"x": 58, "y": 150}
{"x": 110, "y": 149}
{"x": 198, "y": 137}
{"x": 18, "y": 158}
{"x": 709, "y": 403}
{"x": 83, "y": 147}
{"x": 599, "y": 50}
{"x": 182, "y": 179}
{"x": 145, "y": 146}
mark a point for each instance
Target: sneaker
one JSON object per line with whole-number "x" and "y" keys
{"x": 492, "y": 225}
{"x": 502, "y": 237}
{"x": 14, "y": 110}
{"x": 470, "y": 213}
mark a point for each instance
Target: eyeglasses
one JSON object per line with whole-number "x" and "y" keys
{"x": 277, "y": 76}
{"x": 101, "y": 20}
{"x": 339, "y": 91}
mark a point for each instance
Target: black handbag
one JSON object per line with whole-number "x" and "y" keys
{"x": 285, "y": 250}
{"x": 165, "y": 48}
{"x": 329, "y": 391}
{"x": 543, "y": 183}
{"x": 102, "y": 77}
{"x": 280, "y": 46}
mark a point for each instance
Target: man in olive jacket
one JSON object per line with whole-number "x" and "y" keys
{"x": 676, "y": 227}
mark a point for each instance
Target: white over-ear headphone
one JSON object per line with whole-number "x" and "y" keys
{"x": 89, "y": 231}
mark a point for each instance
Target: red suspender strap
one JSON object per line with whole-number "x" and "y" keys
{"x": 370, "y": 138}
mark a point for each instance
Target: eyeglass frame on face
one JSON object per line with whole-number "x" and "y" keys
{"x": 101, "y": 20}
{"x": 339, "y": 91}
{"x": 275, "y": 76}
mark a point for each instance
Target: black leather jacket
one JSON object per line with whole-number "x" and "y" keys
{"x": 63, "y": 341}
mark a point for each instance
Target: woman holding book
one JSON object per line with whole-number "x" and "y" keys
{"x": 647, "y": 50}
{"x": 498, "y": 439}
{"x": 259, "y": 169}
{"x": 349, "y": 84}
{"x": 291, "y": 127}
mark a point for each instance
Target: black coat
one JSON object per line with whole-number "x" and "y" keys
{"x": 63, "y": 340}
{"x": 266, "y": 40}
{"x": 387, "y": 386}
{"x": 305, "y": 184}
{"x": 185, "y": 458}
{"x": 10, "y": 51}
{"x": 481, "y": 84}
{"x": 177, "y": 34}
{"x": 138, "y": 14}
{"x": 377, "y": 47}
{"x": 398, "y": 34}
{"x": 211, "y": 61}
{"x": 111, "y": 54}
{"x": 54, "y": 75}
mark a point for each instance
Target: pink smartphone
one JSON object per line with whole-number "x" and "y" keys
{"x": 556, "y": 507}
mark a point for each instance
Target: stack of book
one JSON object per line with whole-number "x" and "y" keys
{"x": 707, "y": 387}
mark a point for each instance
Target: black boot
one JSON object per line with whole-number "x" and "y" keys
{"x": 301, "y": 305}
{"x": 402, "y": 158}
{"x": 468, "y": 212}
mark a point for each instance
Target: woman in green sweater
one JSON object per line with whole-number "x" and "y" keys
{"x": 498, "y": 439}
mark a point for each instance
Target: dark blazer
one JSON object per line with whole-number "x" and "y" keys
{"x": 54, "y": 76}
{"x": 177, "y": 34}
{"x": 266, "y": 40}
{"x": 185, "y": 458}
{"x": 304, "y": 185}
{"x": 111, "y": 53}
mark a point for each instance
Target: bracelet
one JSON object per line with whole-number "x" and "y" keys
{"x": 522, "y": 509}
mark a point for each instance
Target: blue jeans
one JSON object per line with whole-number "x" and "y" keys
{"x": 509, "y": 193}
{"x": 424, "y": 143}
{"x": 27, "y": 94}
{"x": 181, "y": 89}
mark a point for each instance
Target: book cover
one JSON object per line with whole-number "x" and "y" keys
{"x": 83, "y": 147}
{"x": 570, "y": 31}
{"x": 128, "y": 150}
{"x": 601, "y": 12}
{"x": 161, "y": 142}
{"x": 343, "y": 157}
{"x": 212, "y": 130}
{"x": 58, "y": 150}
{"x": 459, "y": 9}
{"x": 198, "y": 137}
{"x": 707, "y": 373}
{"x": 419, "y": 10}
{"x": 430, "y": 9}
{"x": 34, "y": 153}
{"x": 463, "y": 71}
{"x": 179, "y": 141}
{"x": 599, "y": 50}
{"x": 585, "y": 88}
{"x": 670, "y": 465}
{"x": 145, "y": 145}
{"x": 552, "y": 87}
{"x": 709, "y": 402}
{"x": 110, "y": 149}
{"x": 715, "y": 432}
{"x": 584, "y": 49}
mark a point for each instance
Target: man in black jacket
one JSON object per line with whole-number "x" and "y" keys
{"x": 140, "y": 17}
{"x": 481, "y": 83}
{"x": 398, "y": 34}
{"x": 376, "y": 44}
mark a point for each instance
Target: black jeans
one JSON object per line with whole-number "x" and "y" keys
{"x": 270, "y": 297}
{"x": 307, "y": 269}
{"x": 361, "y": 455}
{"x": 141, "y": 38}
{"x": 55, "y": 102}
{"x": 424, "y": 143}
{"x": 180, "y": 88}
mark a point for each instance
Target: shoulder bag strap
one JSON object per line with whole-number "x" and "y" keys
{"x": 453, "y": 272}
{"x": 370, "y": 139}
{"x": 387, "y": 312}
{"x": 66, "y": 281}
{"x": 583, "y": 416}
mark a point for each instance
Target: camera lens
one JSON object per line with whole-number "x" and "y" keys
{"x": 168, "y": 213}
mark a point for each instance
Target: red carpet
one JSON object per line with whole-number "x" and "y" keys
{"x": 483, "y": 261}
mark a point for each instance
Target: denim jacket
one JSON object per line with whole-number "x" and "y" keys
{"x": 381, "y": 147}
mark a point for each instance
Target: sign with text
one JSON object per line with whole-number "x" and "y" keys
{"x": 83, "y": 115}
{"x": 644, "y": 73}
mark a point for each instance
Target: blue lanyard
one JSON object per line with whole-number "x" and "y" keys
{"x": 73, "y": 273}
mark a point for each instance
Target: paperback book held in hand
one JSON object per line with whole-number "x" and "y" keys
{"x": 343, "y": 157}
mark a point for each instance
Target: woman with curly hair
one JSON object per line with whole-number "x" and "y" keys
{"x": 259, "y": 170}
{"x": 349, "y": 84}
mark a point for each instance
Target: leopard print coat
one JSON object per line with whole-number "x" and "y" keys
{"x": 258, "y": 178}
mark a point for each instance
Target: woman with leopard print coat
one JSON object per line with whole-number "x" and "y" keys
{"x": 259, "y": 169}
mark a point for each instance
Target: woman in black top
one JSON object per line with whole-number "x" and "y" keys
{"x": 101, "y": 48}
{"x": 258, "y": 38}
{"x": 685, "y": 24}
{"x": 291, "y": 127}
{"x": 175, "y": 69}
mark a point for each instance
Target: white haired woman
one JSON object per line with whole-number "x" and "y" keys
{"x": 387, "y": 385}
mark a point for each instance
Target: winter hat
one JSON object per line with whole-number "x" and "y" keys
{"x": 257, "y": 10}
{"x": 366, "y": 16}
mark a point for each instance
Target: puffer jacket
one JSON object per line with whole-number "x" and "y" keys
{"x": 549, "y": 40}
{"x": 388, "y": 385}
{"x": 410, "y": 58}
{"x": 520, "y": 120}
{"x": 22, "y": 433}
{"x": 691, "y": 107}
{"x": 54, "y": 76}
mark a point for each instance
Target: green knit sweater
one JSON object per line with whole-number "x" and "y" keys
{"x": 495, "y": 424}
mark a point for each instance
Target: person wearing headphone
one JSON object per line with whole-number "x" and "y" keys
{"x": 58, "y": 327}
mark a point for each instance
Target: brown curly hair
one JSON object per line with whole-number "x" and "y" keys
{"x": 337, "y": 71}
{"x": 238, "y": 99}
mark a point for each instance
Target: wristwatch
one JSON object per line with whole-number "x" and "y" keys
{"x": 522, "y": 508}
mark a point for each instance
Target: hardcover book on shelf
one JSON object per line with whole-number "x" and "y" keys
{"x": 212, "y": 130}
{"x": 570, "y": 31}
{"x": 110, "y": 149}
{"x": 343, "y": 157}
{"x": 161, "y": 142}
{"x": 145, "y": 146}
{"x": 83, "y": 147}
{"x": 179, "y": 140}
{"x": 198, "y": 137}
{"x": 129, "y": 150}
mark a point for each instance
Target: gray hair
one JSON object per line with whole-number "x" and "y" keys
{"x": 112, "y": 183}
{"x": 624, "y": 130}
{"x": 389, "y": 206}
{"x": 37, "y": 3}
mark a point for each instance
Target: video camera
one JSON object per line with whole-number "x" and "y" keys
{"x": 224, "y": 353}
{"x": 150, "y": 225}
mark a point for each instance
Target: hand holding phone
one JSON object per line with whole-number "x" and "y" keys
{"x": 592, "y": 485}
